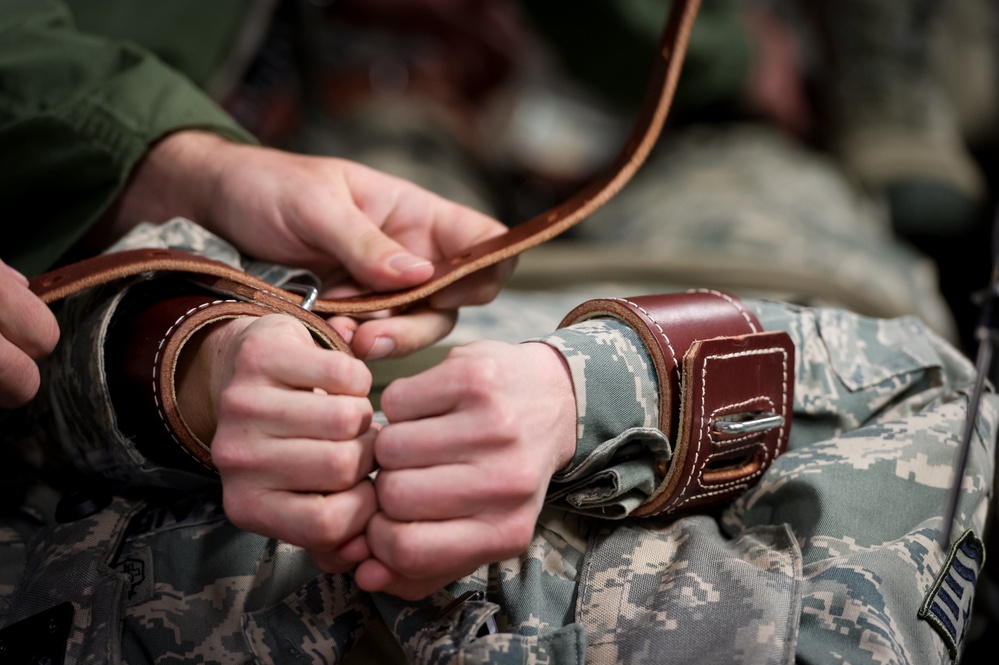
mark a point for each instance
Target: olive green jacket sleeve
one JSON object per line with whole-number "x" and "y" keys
{"x": 77, "y": 112}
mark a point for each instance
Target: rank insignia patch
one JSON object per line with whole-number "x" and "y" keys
{"x": 947, "y": 606}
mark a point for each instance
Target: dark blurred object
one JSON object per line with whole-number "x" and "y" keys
{"x": 888, "y": 116}
{"x": 453, "y": 52}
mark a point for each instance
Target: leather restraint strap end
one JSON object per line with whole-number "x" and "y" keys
{"x": 142, "y": 355}
{"x": 725, "y": 392}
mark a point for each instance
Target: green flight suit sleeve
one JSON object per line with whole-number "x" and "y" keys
{"x": 77, "y": 112}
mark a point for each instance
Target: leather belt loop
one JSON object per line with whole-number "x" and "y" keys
{"x": 726, "y": 392}
{"x": 152, "y": 341}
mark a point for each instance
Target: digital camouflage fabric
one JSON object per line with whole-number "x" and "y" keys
{"x": 832, "y": 557}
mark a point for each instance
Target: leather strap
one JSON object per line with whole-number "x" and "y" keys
{"x": 149, "y": 337}
{"x": 65, "y": 281}
{"x": 726, "y": 392}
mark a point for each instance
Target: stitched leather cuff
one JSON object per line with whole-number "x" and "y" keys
{"x": 149, "y": 332}
{"x": 725, "y": 392}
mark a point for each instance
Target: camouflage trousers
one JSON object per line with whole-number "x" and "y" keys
{"x": 834, "y": 556}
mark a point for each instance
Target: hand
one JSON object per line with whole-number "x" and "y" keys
{"x": 465, "y": 463}
{"x": 293, "y": 441}
{"x": 331, "y": 215}
{"x": 28, "y": 332}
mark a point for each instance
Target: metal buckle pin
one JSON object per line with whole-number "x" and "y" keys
{"x": 308, "y": 292}
{"x": 748, "y": 423}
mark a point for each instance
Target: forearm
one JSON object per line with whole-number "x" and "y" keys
{"x": 77, "y": 113}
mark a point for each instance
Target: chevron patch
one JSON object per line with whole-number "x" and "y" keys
{"x": 947, "y": 606}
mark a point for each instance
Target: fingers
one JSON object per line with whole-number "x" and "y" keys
{"x": 370, "y": 254}
{"x": 376, "y": 260}
{"x": 281, "y": 413}
{"x": 433, "y": 553}
{"x": 25, "y": 321}
{"x": 19, "y": 377}
{"x": 424, "y": 224}
{"x": 438, "y": 493}
{"x": 294, "y": 442}
{"x": 294, "y": 465}
{"x": 478, "y": 288}
{"x": 465, "y": 462}
{"x": 28, "y": 331}
{"x": 372, "y": 575}
{"x": 344, "y": 558}
{"x": 320, "y": 522}
{"x": 278, "y": 350}
{"x": 401, "y": 334}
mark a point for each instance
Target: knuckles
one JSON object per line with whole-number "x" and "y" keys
{"x": 515, "y": 535}
{"x": 230, "y": 454}
{"x": 344, "y": 466}
{"x": 411, "y": 555}
{"x": 520, "y": 481}
{"x": 243, "y": 509}
{"x": 393, "y": 498}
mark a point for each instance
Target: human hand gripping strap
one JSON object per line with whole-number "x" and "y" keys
{"x": 142, "y": 359}
{"x": 725, "y": 392}
{"x": 662, "y": 83}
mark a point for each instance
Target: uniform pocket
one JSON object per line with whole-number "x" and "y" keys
{"x": 865, "y": 352}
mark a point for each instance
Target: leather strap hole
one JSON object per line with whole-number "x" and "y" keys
{"x": 728, "y": 469}
{"x": 54, "y": 278}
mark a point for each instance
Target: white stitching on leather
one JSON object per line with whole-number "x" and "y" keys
{"x": 655, "y": 323}
{"x": 156, "y": 365}
{"x": 732, "y": 301}
{"x": 701, "y": 430}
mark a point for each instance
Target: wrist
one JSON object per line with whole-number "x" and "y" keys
{"x": 555, "y": 372}
{"x": 201, "y": 371}
{"x": 176, "y": 178}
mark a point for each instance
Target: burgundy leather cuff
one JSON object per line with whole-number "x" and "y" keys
{"x": 142, "y": 353}
{"x": 725, "y": 392}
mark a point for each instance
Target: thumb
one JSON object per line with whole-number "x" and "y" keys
{"x": 375, "y": 260}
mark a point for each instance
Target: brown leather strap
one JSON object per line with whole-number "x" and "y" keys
{"x": 725, "y": 392}
{"x": 652, "y": 114}
{"x": 149, "y": 337}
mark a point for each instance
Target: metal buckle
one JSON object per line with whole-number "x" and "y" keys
{"x": 309, "y": 293}
{"x": 747, "y": 423}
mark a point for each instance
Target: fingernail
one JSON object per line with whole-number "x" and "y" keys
{"x": 381, "y": 348}
{"x": 403, "y": 262}
{"x": 347, "y": 334}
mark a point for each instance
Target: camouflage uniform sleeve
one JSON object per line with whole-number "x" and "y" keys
{"x": 617, "y": 401}
{"x": 77, "y": 388}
